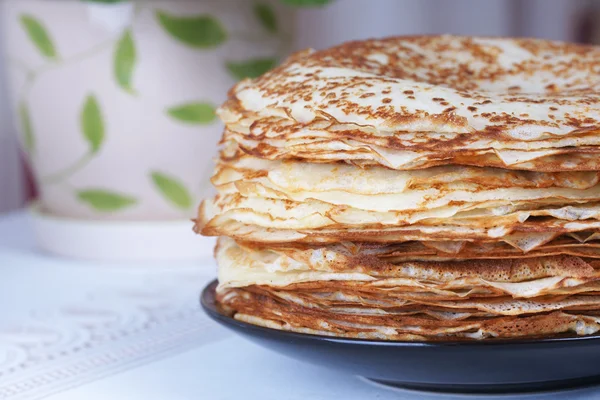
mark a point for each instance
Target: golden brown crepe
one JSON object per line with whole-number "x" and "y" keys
{"x": 413, "y": 188}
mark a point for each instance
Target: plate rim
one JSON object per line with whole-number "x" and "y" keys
{"x": 208, "y": 301}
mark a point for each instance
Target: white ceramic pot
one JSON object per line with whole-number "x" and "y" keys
{"x": 115, "y": 102}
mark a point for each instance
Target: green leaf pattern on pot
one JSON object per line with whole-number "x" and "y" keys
{"x": 26, "y": 128}
{"x": 200, "y": 113}
{"x": 172, "y": 189}
{"x": 198, "y": 33}
{"x": 252, "y": 68}
{"x": 125, "y": 59}
{"x": 39, "y": 36}
{"x": 92, "y": 124}
{"x": 105, "y": 200}
{"x": 266, "y": 15}
{"x": 201, "y": 31}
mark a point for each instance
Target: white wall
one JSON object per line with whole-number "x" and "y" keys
{"x": 356, "y": 19}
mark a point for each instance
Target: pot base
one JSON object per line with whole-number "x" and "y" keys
{"x": 119, "y": 240}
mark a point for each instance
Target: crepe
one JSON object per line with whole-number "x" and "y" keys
{"x": 413, "y": 188}
{"x": 247, "y": 265}
{"x": 413, "y": 102}
{"x": 351, "y": 150}
{"x": 323, "y": 287}
{"x": 265, "y": 311}
{"x": 264, "y": 198}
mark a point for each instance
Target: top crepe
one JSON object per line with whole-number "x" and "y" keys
{"x": 411, "y": 102}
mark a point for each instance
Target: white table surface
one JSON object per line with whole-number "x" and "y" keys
{"x": 72, "y": 330}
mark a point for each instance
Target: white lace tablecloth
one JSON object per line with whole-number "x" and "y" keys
{"x": 66, "y": 322}
{"x": 74, "y": 330}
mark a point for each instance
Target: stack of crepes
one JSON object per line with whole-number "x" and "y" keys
{"x": 414, "y": 188}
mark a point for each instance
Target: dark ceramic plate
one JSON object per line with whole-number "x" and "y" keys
{"x": 459, "y": 367}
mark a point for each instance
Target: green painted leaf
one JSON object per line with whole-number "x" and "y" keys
{"x": 252, "y": 68}
{"x": 103, "y": 200}
{"x": 26, "y": 128}
{"x": 265, "y": 14}
{"x": 172, "y": 190}
{"x": 39, "y": 36}
{"x": 306, "y": 3}
{"x": 92, "y": 124}
{"x": 194, "y": 113}
{"x": 125, "y": 60}
{"x": 201, "y": 31}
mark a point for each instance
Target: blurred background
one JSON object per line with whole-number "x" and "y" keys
{"x": 317, "y": 27}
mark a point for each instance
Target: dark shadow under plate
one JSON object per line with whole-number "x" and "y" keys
{"x": 492, "y": 366}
